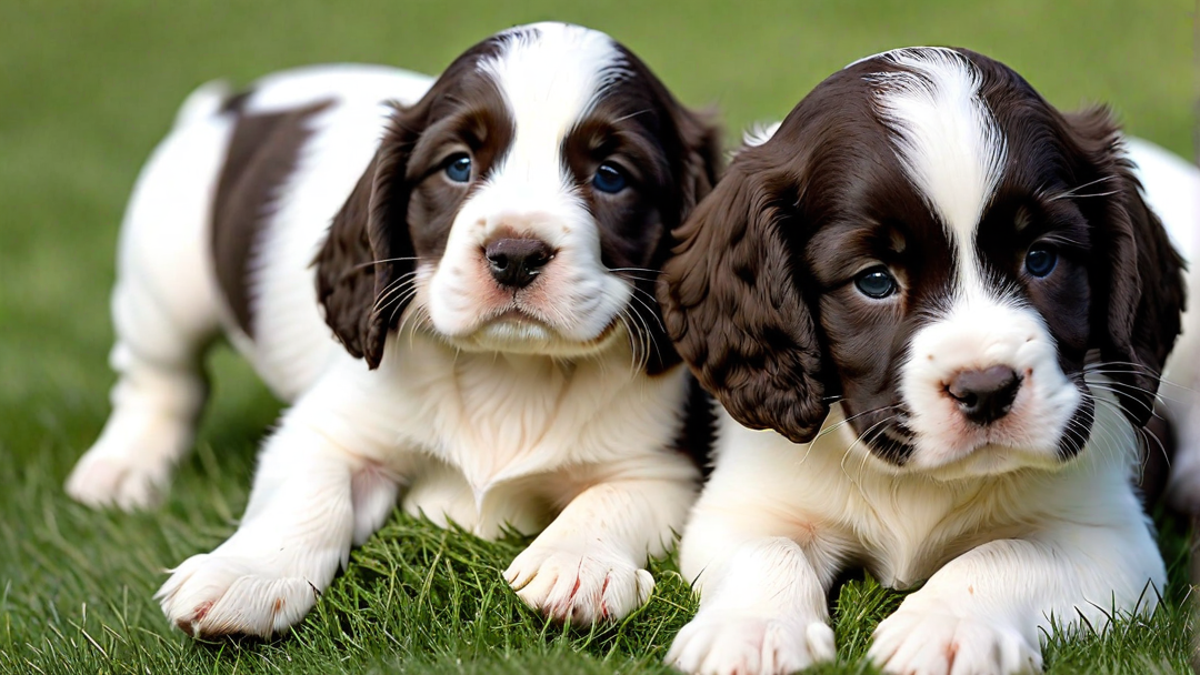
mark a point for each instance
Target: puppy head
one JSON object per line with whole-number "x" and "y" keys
{"x": 928, "y": 241}
{"x": 523, "y": 205}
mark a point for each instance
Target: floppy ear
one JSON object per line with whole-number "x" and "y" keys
{"x": 1138, "y": 275}
{"x": 702, "y": 160}
{"x": 737, "y": 317}
{"x": 368, "y": 250}
{"x": 699, "y": 166}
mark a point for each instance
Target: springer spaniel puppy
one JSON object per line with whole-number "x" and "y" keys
{"x": 935, "y": 310}
{"x": 484, "y": 247}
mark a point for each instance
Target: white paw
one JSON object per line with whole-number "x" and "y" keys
{"x": 130, "y": 483}
{"x": 719, "y": 643}
{"x": 580, "y": 589}
{"x": 213, "y": 594}
{"x": 940, "y": 643}
{"x": 130, "y": 465}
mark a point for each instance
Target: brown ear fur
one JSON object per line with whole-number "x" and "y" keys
{"x": 702, "y": 159}
{"x": 732, "y": 306}
{"x": 368, "y": 249}
{"x": 699, "y": 168}
{"x": 1138, "y": 275}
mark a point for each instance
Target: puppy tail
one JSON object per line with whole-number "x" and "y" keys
{"x": 207, "y": 100}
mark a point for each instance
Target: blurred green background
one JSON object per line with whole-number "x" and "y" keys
{"x": 88, "y": 87}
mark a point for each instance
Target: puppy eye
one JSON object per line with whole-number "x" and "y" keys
{"x": 876, "y": 283}
{"x": 609, "y": 178}
{"x": 1041, "y": 260}
{"x": 458, "y": 168}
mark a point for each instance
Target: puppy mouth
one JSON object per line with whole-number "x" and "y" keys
{"x": 520, "y": 331}
{"x": 516, "y": 315}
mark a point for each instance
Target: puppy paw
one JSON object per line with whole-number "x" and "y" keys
{"x": 130, "y": 464}
{"x": 930, "y": 643}
{"x": 123, "y": 480}
{"x": 212, "y": 594}
{"x": 719, "y": 643}
{"x": 580, "y": 589}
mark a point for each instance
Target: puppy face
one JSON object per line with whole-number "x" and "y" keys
{"x": 930, "y": 243}
{"x": 523, "y": 205}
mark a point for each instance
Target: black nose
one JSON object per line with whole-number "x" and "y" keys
{"x": 515, "y": 262}
{"x": 985, "y": 396}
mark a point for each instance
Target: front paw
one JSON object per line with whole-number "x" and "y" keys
{"x": 938, "y": 643}
{"x": 717, "y": 642}
{"x": 214, "y": 594}
{"x": 578, "y": 588}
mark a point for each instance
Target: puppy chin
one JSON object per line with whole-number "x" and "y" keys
{"x": 985, "y": 460}
{"x": 512, "y": 335}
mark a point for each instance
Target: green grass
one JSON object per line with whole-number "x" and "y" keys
{"x": 89, "y": 87}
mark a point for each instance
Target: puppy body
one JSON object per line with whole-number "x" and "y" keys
{"x": 998, "y": 556}
{"x": 949, "y": 335}
{"x": 494, "y": 368}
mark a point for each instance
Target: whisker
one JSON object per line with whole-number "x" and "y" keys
{"x": 1070, "y": 193}
{"x": 384, "y": 260}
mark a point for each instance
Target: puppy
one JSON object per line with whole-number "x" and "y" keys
{"x": 484, "y": 249}
{"x": 935, "y": 310}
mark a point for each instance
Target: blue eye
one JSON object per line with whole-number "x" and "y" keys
{"x": 609, "y": 178}
{"x": 876, "y": 283}
{"x": 458, "y": 168}
{"x": 1041, "y": 261}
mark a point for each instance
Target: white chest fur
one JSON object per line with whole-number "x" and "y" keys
{"x": 476, "y": 435}
{"x": 844, "y": 504}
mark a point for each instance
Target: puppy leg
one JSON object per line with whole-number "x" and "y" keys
{"x": 314, "y": 495}
{"x": 982, "y": 612}
{"x": 166, "y": 312}
{"x": 589, "y": 563}
{"x": 762, "y": 607}
{"x": 152, "y": 426}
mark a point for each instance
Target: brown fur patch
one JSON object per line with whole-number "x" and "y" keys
{"x": 262, "y": 154}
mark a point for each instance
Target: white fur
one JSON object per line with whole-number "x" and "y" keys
{"x": 1003, "y": 545}
{"x": 462, "y": 422}
{"x": 945, "y": 137}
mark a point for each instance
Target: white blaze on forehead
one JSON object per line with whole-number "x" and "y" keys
{"x": 945, "y": 136}
{"x": 550, "y": 75}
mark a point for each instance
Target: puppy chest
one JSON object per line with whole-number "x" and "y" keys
{"x": 496, "y": 419}
{"x": 904, "y": 541}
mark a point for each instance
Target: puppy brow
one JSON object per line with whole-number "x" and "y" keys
{"x": 1022, "y": 219}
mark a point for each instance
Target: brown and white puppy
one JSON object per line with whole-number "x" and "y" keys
{"x": 489, "y": 270}
{"x": 948, "y": 306}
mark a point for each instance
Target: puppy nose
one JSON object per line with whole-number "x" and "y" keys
{"x": 985, "y": 396}
{"x": 515, "y": 262}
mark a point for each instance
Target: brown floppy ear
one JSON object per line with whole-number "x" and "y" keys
{"x": 1138, "y": 275}
{"x": 368, "y": 250}
{"x": 732, "y": 306}
{"x": 699, "y": 166}
{"x": 702, "y": 159}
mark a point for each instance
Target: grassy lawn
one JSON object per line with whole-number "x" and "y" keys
{"x": 89, "y": 87}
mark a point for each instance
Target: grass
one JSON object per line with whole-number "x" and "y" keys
{"x": 87, "y": 90}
